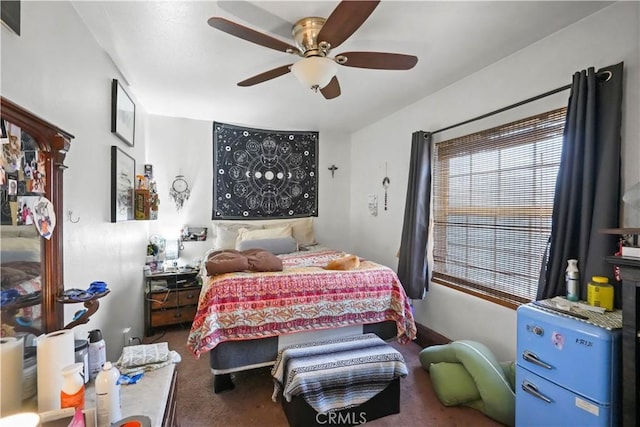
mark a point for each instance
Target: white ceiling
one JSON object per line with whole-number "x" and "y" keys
{"x": 176, "y": 65}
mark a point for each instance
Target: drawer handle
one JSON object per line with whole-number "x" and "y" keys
{"x": 191, "y": 296}
{"x": 177, "y": 315}
{"x": 533, "y": 390}
{"x": 181, "y": 281}
{"x": 531, "y": 357}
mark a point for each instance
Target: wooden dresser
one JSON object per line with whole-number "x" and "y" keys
{"x": 170, "y": 299}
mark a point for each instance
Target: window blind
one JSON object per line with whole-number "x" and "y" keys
{"x": 493, "y": 201}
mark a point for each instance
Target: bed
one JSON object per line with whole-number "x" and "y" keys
{"x": 243, "y": 318}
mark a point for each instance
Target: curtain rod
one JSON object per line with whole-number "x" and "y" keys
{"x": 517, "y": 104}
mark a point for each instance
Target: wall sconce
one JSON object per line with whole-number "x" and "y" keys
{"x": 179, "y": 191}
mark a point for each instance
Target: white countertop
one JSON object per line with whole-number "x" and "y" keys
{"x": 147, "y": 397}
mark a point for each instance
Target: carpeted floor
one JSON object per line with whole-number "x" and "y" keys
{"x": 250, "y": 404}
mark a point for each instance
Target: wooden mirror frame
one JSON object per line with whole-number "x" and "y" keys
{"x": 54, "y": 143}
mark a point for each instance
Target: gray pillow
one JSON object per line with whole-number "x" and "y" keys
{"x": 283, "y": 245}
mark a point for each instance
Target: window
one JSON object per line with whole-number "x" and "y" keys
{"x": 493, "y": 200}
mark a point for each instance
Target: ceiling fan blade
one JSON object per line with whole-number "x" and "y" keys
{"x": 345, "y": 19}
{"x": 267, "y": 75}
{"x": 332, "y": 90}
{"x": 248, "y": 34}
{"x": 379, "y": 60}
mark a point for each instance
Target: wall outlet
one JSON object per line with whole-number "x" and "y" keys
{"x": 126, "y": 336}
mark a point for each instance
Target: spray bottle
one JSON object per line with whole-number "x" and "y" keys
{"x": 97, "y": 353}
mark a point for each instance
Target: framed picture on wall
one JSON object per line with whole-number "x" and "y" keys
{"x": 123, "y": 174}
{"x": 123, "y": 114}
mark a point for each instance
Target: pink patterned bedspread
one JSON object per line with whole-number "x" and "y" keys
{"x": 302, "y": 297}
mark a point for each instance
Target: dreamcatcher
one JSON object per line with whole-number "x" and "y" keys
{"x": 179, "y": 191}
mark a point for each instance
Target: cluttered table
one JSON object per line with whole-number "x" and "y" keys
{"x": 152, "y": 396}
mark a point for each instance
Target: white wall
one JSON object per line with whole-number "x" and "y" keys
{"x": 185, "y": 146}
{"x": 56, "y": 70}
{"x": 606, "y": 38}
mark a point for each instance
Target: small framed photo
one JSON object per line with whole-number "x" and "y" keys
{"x": 123, "y": 168}
{"x": 123, "y": 114}
{"x": 194, "y": 234}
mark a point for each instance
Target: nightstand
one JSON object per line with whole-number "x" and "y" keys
{"x": 170, "y": 299}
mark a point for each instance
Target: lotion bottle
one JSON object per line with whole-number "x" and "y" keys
{"x": 72, "y": 393}
{"x": 108, "y": 396}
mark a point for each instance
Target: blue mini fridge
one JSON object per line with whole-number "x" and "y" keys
{"x": 567, "y": 370}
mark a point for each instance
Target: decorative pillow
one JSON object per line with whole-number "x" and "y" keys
{"x": 284, "y": 245}
{"x": 261, "y": 260}
{"x": 231, "y": 260}
{"x": 348, "y": 262}
{"x": 265, "y": 233}
{"x": 496, "y": 392}
{"x": 226, "y": 261}
{"x": 453, "y": 384}
{"x": 226, "y": 234}
{"x": 302, "y": 229}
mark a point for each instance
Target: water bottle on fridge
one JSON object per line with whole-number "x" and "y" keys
{"x": 573, "y": 280}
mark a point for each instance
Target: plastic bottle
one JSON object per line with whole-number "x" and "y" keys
{"x": 600, "y": 292}
{"x": 573, "y": 280}
{"x": 72, "y": 392}
{"x": 97, "y": 353}
{"x": 107, "y": 396}
{"x": 82, "y": 356}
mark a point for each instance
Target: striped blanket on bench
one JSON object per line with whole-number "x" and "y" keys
{"x": 336, "y": 374}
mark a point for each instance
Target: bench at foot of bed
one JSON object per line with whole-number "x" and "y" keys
{"x": 346, "y": 381}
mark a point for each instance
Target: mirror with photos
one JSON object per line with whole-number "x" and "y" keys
{"x": 31, "y": 165}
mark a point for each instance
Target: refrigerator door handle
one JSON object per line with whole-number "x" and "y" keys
{"x": 533, "y": 358}
{"x": 533, "y": 390}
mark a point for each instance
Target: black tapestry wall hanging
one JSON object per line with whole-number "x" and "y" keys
{"x": 264, "y": 173}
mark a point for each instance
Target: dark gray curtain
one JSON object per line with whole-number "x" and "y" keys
{"x": 412, "y": 265}
{"x": 587, "y": 197}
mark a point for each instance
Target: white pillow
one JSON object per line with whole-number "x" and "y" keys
{"x": 265, "y": 233}
{"x": 284, "y": 245}
{"x": 226, "y": 234}
{"x": 302, "y": 229}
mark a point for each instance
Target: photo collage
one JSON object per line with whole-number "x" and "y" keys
{"x": 22, "y": 180}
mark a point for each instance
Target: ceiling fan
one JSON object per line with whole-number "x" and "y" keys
{"x": 315, "y": 38}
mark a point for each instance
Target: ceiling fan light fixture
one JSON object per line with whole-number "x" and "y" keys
{"x": 314, "y": 72}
